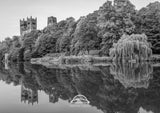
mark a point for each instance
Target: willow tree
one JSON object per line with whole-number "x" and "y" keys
{"x": 131, "y": 47}
{"x": 135, "y": 75}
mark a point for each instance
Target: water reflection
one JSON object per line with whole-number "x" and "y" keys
{"x": 135, "y": 75}
{"x": 79, "y": 99}
{"x": 119, "y": 88}
{"x": 28, "y": 95}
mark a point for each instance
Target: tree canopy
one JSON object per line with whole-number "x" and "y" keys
{"x": 133, "y": 47}
{"x": 98, "y": 30}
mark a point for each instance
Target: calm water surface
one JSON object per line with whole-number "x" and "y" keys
{"x": 118, "y": 88}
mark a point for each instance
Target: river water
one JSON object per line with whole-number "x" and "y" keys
{"x": 117, "y": 88}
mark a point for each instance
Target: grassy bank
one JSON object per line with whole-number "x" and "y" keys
{"x": 60, "y": 59}
{"x": 86, "y": 59}
{"x": 73, "y": 60}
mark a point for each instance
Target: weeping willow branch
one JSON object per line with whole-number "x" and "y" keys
{"x": 135, "y": 75}
{"x": 133, "y": 47}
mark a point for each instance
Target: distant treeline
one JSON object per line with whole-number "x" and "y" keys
{"x": 96, "y": 31}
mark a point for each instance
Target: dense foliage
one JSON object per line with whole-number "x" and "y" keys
{"x": 133, "y": 47}
{"x": 147, "y": 21}
{"x": 95, "y": 31}
{"x": 132, "y": 74}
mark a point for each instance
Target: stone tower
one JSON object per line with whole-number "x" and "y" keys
{"x": 28, "y": 95}
{"x": 28, "y": 25}
{"x": 51, "y": 21}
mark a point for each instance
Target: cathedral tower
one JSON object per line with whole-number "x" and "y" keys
{"x": 28, "y": 25}
{"x": 51, "y": 21}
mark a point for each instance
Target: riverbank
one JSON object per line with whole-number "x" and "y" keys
{"x": 61, "y": 60}
{"x": 70, "y": 60}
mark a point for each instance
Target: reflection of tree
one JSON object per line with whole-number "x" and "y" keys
{"x": 28, "y": 76}
{"x": 135, "y": 75}
{"x": 10, "y": 76}
{"x": 65, "y": 79}
{"x": 103, "y": 91}
{"x": 99, "y": 86}
{"x": 149, "y": 98}
{"x": 46, "y": 78}
{"x": 47, "y": 81}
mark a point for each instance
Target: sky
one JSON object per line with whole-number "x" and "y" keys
{"x": 11, "y": 11}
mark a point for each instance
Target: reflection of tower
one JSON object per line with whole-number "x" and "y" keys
{"x": 29, "y": 95}
{"x": 136, "y": 75}
{"x": 53, "y": 98}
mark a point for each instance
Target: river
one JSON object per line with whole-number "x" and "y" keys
{"x": 117, "y": 88}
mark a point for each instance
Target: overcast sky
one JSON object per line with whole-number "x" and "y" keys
{"x": 11, "y": 11}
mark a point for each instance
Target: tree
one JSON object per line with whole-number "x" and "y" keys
{"x": 14, "y": 49}
{"x": 133, "y": 47}
{"x": 28, "y": 44}
{"x": 5, "y": 47}
{"x": 147, "y": 20}
{"x": 64, "y": 41}
{"x": 85, "y": 35}
{"x": 114, "y": 21}
{"x": 29, "y": 40}
{"x": 45, "y": 44}
{"x": 16, "y": 41}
